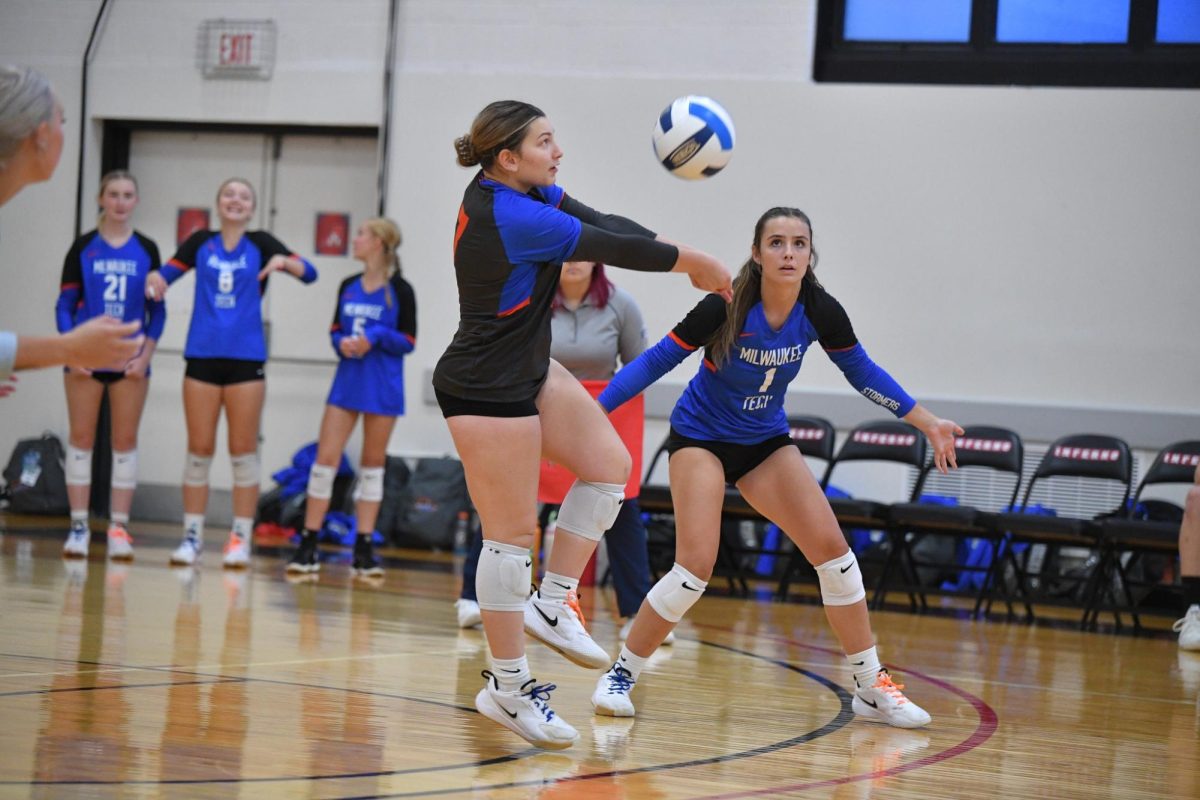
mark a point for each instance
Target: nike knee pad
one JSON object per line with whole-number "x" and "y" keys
{"x": 502, "y": 577}
{"x": 589, "y": 509}
{"x": 841, "y": 581}
{"x": 320, "y": 481}
{"x": 79, "y": 466}
{"x": 370, "y": 485}
{"x": 195, "y": 470}
{"x": 245, "y": 469}
{"x": 675, "y": 593}
{"x": 124, "y": 470}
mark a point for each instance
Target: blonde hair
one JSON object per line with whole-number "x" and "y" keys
{"x": 244, "y": 182}
{"x": 26, "y": 101}
{"x": 388, "y": 233}
{"x": 110, "y": 177}
{"x": 499, "y": 126}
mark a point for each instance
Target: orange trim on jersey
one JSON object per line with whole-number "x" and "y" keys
{"x": 840, "y": 349}
{"x": 681, "y": 342}
{"x": 710, "y": 365}
{"x": 411, "y": 339}
{"x": 561, "y": 198}
{"x": 335, "y": 327}
{"x": 463, "y": 219}
{"x": 66, "y": 286}
{"x": 514, "y": 309}
{"x": 179, "y": 265}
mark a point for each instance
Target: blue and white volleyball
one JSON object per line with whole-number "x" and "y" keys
{"x": 694, "y": 137}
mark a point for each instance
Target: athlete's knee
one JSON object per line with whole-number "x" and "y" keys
{"x": 320, "y": 481}
{"x": 503, "y": 576}
{"x": 370, "y": 485}
{"x": 124, "y": 469}
{"x": 245, "y": 469}
{"x": 589, "y": 509}
{"x": 675, "y": 593}
{"x": 841, "y": 581}
{"x": 1191, "y": 506}
{"x": 78, "y": 468}
{"x": 196, "y": 469}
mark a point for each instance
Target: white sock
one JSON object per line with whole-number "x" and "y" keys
{"x": 631, "y": 661}
{"x": 118, "y": 518}
{"x": 79, "y": 519}
{"x": 555, "y": 587}
{"x": 243, "y": 527}
{"x": 865, "y": 666}
{"x": 193, "y": 526}
{"x": 511, "y": 673}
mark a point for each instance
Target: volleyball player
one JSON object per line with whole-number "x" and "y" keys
{"x": 729, "y": 426}
{"x": 508, "y": 404}
{"x": 104, "y": 274}
{"x": 225, "y": 352}
{"x": 374, "y": 327}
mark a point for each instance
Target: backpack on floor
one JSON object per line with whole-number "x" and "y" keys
{"x": 37, "y": 482}
{"x": 435, "y": 494}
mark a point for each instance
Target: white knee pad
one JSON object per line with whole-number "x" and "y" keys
{"x": 589, "y": 509}
{"x": 124, "y": 470}
{"x": 320, "y": 481}
{"x": 245, "y": 469}
{"x": 79, "y": 466}
{"x": 675, "y": 593}
{"x": 502, "y": 578}
{"x": 370, "y": 485}
{"x": 195, "y": 470}
{"x": 841, "y": 581}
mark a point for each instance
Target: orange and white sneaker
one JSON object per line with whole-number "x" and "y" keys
{"x": 237, "y": 552}
{"x": 884, "y": 701}
{"x": 560, "y": 625}
{"x": 120, "y": 543}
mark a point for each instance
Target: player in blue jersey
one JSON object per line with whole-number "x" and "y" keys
{"x": 729, "y": 426}
{"x": 508, "y": 404}
{"x": 374, "y": 327}
{"x": 104, "y": 274}
{"x": 225, "y": 353}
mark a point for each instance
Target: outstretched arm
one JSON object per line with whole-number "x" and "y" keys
{"x": 647, "y": 368}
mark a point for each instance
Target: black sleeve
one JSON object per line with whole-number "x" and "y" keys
{"x": 608, "y": 222}
{"x": 72, "y": 271}
{"x": 702, "y": 322}
{"x": 151, "y": 248}
{"x": 337, "y": 300}
{"x": 624, "y": 250}
{"x": 828, "y": 318}
{"x": 406, "y": 320}
{"x": 268, "y": 245}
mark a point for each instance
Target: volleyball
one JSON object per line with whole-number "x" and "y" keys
{"x": 694, "y": 137}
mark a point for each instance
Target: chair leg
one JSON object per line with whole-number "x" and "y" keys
{"x": 880, "y": 592}
{"x": 989, "y": 579}
{"x": 908, "y": 566}
{"x": 1123, "y": 580}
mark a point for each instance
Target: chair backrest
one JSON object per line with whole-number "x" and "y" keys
{"x": 1175, "y": 463}
{"x": 890, "y": 441}
{"x": 1086, "y": 455}
{"x": 814, "y": 438}
{"x": 983, "y": 447}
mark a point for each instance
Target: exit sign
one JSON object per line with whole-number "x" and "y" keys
{"x": 230, "y": 48}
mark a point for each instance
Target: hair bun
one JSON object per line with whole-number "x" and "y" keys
{"x": 467, "y": 156}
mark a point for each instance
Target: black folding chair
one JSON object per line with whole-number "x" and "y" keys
{"x": 1100, "y": 465}
{"x": 982, "y": 449}
{"x": 1175, "y": 464}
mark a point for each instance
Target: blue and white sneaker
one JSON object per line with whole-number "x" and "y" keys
{"x": 78, "y": 540}
{"x": 526, "y": 712}
{"x": 188, "y": 552}
{"x": 611, "y": 697}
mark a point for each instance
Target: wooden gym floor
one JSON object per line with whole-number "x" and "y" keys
{"x": 145, "y": 681}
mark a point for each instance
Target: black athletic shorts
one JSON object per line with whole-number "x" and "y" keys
{"x": 108, "y": 378}
{"x": 736, "y": 459}
{"x": 224, "y": 371}
{"x": 458, "y": 407}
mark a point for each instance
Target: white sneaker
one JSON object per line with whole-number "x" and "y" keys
{"x": 527, "y": 713}
{"x": 611, "y": 697}
{"x": 237, "y": 552}
{"x": 120, "y": 543}
{"x": 188, "y": 552}
{"x": 884, "y": 702}
{"x": 560, "y": 625}
{"x": 628, "y": 626}
{"x": 1189, "y": 629}
{"x": 468, "y": 613}
{"x": 77, "y": 542}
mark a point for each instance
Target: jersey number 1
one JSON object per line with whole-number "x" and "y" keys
{"x": 770, "y": 376}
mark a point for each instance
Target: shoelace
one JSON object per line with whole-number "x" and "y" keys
{"x": 539, "y": 695}
{"x": 620, "y": 680}
{"x": 120, "y": 533}
{"x": 573, "y": 604}
{"x": 885, "y": 684}
{"x": 234, "y": 542}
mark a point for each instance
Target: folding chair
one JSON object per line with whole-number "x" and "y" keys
{"x": 1098, "y": 462}
{"x": 1175, "y": 464}
{"x": 982, "y": 449}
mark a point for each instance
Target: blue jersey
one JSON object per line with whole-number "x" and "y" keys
{"x": 227, "y": 313}
{"x": 742, "y": 400}
{"x": 101, "y": 280}
{"x": 387, "y": 318}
